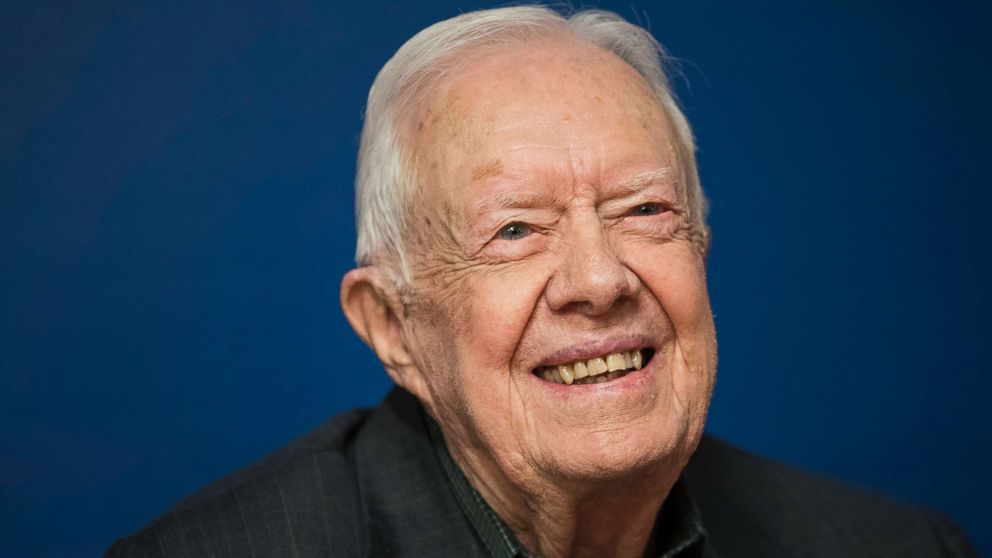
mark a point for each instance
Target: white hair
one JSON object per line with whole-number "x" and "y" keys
{"x": 385, "y": 182}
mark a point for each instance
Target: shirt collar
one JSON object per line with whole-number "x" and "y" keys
{"x": 678, "y": 530}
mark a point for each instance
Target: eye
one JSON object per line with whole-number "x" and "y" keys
{"x": 650, "y": 208}
{"x": 513, "y": 231}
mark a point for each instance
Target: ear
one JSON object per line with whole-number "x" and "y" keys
{"x": 372, "y": 304}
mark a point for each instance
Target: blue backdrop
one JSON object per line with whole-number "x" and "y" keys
{"x": 176, "y": 214}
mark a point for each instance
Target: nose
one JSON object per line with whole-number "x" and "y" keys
{"x": 590, "y": 278}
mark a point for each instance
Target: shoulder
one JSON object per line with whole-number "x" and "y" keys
{"x": 301, "y": 501}
{"x": 745, "y": 499}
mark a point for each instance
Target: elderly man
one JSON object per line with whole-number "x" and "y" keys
{"x": 531, "y": 248}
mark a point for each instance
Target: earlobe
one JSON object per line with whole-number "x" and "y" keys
{"x": 368, "y": 302}
{"x": 372, "y": 305}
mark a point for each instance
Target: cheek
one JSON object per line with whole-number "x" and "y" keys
{"x": 490, "y": 320}
{"x": 680, "y": 286}
{"x": 494, "y": 314}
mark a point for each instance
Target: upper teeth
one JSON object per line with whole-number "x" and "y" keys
{"x": 601, "y": 368}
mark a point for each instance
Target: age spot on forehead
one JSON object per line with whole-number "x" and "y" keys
{"x": 485, "y": 171}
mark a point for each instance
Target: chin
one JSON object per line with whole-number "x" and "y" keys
{"x": 634, "y": 451}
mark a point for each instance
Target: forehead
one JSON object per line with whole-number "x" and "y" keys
{"x": 538, "y": 107}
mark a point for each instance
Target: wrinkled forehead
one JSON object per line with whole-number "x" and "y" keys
{"x": 499, "y": 105}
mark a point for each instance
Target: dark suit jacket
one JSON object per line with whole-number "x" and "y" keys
{"x": 368, "y": 483}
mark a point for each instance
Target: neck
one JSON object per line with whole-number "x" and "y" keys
{"x": 592, "y": 517}
{"x": 611, "y": 523}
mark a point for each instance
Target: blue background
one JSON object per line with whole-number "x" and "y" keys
{"x": 176, "y": 215}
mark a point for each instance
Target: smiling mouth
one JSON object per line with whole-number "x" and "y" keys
{"x": 596, "y": 370}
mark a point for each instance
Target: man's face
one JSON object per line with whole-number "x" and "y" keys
{"x": 551, "y": 230}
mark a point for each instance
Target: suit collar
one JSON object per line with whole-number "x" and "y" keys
{"x": 409, "y": 508}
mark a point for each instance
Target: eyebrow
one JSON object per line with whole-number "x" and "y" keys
{"x": 518, "y": 200}
{"x": 514, "y": 200}
{"x": 636, "y": 183}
